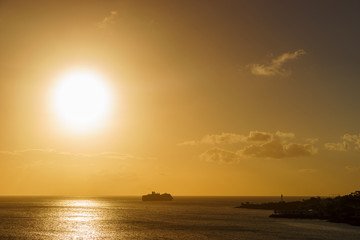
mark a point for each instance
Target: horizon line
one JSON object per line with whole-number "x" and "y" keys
{"x": 125, "y": 195}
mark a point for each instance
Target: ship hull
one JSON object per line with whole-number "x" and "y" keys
{"x": 157, "y": 197}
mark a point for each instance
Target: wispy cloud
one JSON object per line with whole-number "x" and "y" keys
{"x": 213, "y": 139}
{"x": 255, "y": 145}
{"x": 219, "y": 155}
{"x": 233, "y": 138}
{"x": 108, "y": 20}
{"x": 255, "y": 136}
{"x": 275, "y": 67}
{"x": 223, "y": 138}
{"x": 276, "y": 149}
{"x": 353, "y": 139}
{"x": 340, "y": 146}
{"x": 33, "y": 152}
{"x": 349, "y": 142}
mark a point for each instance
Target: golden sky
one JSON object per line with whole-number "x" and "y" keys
{"x": 205, "y": 97}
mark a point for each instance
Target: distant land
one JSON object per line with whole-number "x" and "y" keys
{"x": 343, "y": 209}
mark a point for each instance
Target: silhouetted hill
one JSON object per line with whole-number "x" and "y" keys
{"x": 339, "y": 209}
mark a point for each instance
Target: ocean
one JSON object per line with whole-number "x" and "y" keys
{"x": 130, "y": 218}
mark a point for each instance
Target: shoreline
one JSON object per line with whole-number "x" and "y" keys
{"x": 341, "y": 209}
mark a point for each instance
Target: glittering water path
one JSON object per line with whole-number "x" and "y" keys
{"x": 130, "y": 218}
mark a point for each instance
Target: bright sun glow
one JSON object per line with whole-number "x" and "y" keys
{"x": 81, "y": 99}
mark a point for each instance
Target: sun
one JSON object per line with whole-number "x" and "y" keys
{"x": 81, "y": 99}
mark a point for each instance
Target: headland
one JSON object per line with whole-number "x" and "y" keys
{"x": 344, "y": 209}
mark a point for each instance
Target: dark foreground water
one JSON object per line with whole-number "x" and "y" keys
{"x": 130, "y": 218}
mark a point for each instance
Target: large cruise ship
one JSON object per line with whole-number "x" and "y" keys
{"x": 157, "y": 197}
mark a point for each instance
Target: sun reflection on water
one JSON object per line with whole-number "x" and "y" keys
{"x": 80, "y": 218}
{"x": 80, "y": 203}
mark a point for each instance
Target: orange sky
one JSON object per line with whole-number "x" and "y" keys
{"x": 209, "y": 97}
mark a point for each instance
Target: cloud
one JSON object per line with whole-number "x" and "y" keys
{"x": 276, "y": 65}
{"x": 113, "y": 155}
{"x": 298, "y": 150}
{"x": 108, "y": 20}
{"x": 33, "y": 152}
{"x": 273, "y": 149}
{"x": 337, "y": 146}
{"x": 219, "y": 155}
{"x": 233, "y": 138}
{"x": 213, "y": 139}
{"x": 285, "y": 135}
{"x": 255, "y": 136}
{"x": 9, "y": 153}
{"x": 254, "y": 145}
{"x": 277, "y": 149}
{"x": 353, "y": 139}
{"x": 224, "y": 138}
{"x": 349, "y": 142}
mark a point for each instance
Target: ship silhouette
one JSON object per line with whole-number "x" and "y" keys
{"x": 157, "y": 197}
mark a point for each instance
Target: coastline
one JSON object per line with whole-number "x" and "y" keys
{"x": 341, "y": 209}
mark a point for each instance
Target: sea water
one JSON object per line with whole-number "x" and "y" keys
{"x": 130, "y": 218}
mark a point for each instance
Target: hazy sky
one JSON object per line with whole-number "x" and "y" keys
{"x": 209, "y": 97}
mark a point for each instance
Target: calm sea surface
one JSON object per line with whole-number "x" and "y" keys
{"x": 130, "y": 218}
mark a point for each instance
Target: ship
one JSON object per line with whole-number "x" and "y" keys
{"x": 157, "y": 197}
